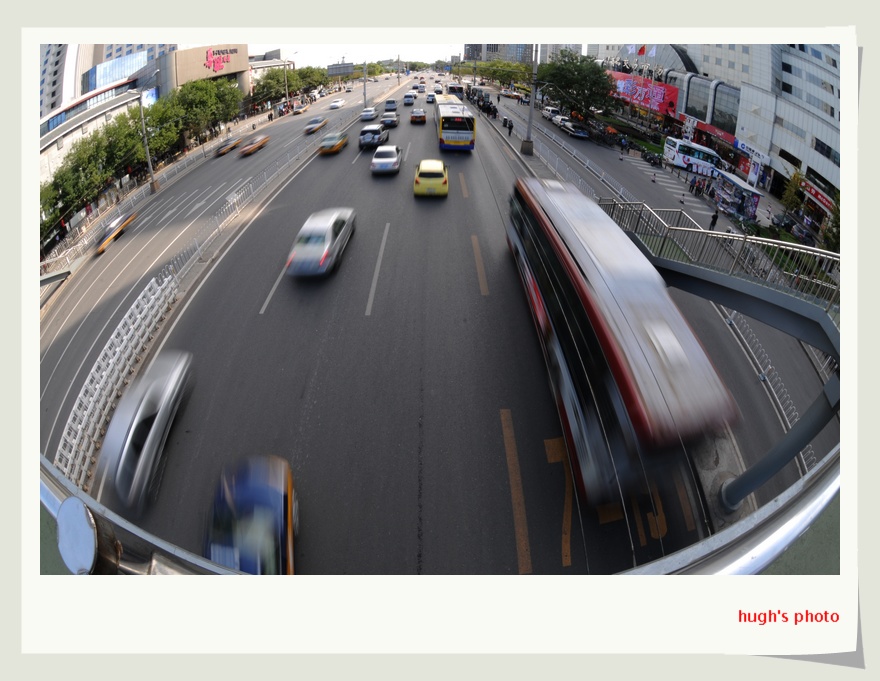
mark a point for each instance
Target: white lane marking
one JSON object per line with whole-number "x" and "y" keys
{"x": 376, "y": 273}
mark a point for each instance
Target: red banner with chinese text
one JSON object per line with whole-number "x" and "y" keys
{"x": 646, "y": 93}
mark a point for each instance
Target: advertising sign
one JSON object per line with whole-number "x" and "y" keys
{"x": 646, "y": 93}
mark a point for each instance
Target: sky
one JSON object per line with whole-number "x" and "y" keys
{"x": 324, "y": 54}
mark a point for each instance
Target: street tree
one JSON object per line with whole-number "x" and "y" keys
{"x": 793, "y": 196}
{"x": 579, "y": 81}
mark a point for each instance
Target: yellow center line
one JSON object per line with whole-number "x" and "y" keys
{"x": 464, "y": 190}
{"x": 685, "y": 502}
{"x": 481, "y": 271}
{"x": 521, "y": 529}
{"x": 555, "y": 450}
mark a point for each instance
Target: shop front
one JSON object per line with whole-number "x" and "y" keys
{"x": 736, "y": 198}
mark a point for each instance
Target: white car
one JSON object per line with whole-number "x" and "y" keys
{"x": 386, "y": 159}
{"x": 559, "y": 120}
{"x": 369, "y": 114}
{"x": 337, "y": 103}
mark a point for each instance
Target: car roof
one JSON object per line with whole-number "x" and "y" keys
{"x": 322, "y": 218}
{"x": 387, "y": 147}
{"x": 430, "y": 164}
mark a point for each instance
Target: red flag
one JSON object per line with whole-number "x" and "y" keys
{"x": 642, "y": 51}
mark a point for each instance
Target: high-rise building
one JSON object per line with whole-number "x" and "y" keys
{"x": 551, "y": 51}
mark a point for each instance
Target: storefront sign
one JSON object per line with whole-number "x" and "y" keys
{"x": 753, "y": 153}
{"x": 216, "y": 60}
{"x": 818, "y": 196}
{"x": 646, "y": 93}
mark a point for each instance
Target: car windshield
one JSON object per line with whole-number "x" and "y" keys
{"x": 310, "y": 239}
{"x": 386, "y": 154}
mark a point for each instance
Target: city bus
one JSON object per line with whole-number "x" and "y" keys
{"x": 447, "y": 99}
{"x": 692, "y": 157}
{"x": 628, "y": 375}
{"x": 456, "y": 125}
{"x": 456, "y": 89}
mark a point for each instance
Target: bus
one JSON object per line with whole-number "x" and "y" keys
{"x": 456, "y": 89}
{"x": 446, "y": 99}
{"x": 456, "y": 126}
{"x": 628, "y": 375}
{"x": 693, "y": 157}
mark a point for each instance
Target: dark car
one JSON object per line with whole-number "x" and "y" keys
{"x": 372, "y": 136}
{"x": 574, "y": 129}
{"x": 254, "y": 518}
{"x": 785, "y": 221}
{"x": 131, "y": 460}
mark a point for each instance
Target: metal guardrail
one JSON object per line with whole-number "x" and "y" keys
{"x": 747, "y": 547}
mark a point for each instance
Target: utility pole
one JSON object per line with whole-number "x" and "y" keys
{"x": 528, "y": 145}
{"x": 365, "y": 84}
{"x": 154, "y": 183}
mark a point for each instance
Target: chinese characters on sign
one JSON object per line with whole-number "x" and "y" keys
{"x": 646, "y": 93}
{"x": 216, "y": 60}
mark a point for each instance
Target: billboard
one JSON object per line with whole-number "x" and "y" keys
{"x": 645, "y": 93}
{"x": 339, "y": 70}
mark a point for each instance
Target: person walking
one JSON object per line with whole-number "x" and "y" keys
{"x": 509, "y": 128}
{"x": 693, "y": 184}
{"x": 714, "y": 220}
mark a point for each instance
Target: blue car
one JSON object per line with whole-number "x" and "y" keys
{"x": 255, "y": 518}
{"x": 575, "y": 130}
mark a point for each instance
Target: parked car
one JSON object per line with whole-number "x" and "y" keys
{"x": 227, "y": 146}
{"x": 386, "y": 159}
{"x": 390, "y": 119}
{"x": 255, "y": 518}
{"x": 369, "y": 114}
{"x": 431, "y": 179}
{"x": 315, "y": 124}
{"x": 254, "y": 144}
{"x": 130, "y": 464}
{"x": 114, "y": 230}
{"x": 559, "y": 120}
{"x": 373, "y": 136}
{"x": 321, "y": 240}
{"x": 333, "y": 143}
{"x": 785, "y": 221}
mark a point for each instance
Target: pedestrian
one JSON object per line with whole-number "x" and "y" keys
{"x": 621, "y": 155}
{"x": 654, "y": 177}
{"x": 499, "y": 99}
{"x": 693, "y": 184}
{"x": 714, "y": 220}
{"x": 681, "y": 200}
{"x": 509, "y": 128}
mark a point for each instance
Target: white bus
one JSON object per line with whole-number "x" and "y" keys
{"x": 695, "y": 158}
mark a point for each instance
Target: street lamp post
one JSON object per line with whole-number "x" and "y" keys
{"x": 154, "y": 183}
{"x": 528, "y": 145}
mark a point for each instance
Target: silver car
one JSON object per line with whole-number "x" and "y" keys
{"x": 130, "y": 464}
{"x": 386, "y": 159}
{"x": 320, "y": 242}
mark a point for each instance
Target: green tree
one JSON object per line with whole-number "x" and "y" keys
{"x": 579, "y": 81}
{"x": 311, "y": 77}
{"x": 793, "y": 196}
{"x": 198, "y": 102}
{"x": 270, "y": 86}
{"x": 831, "y": 227}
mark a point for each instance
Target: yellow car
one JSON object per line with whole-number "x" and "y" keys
{"x": 227, "y": 146}
{"x": 254, "y": 144}
{"x": 315, "y": 124}
{"x": 418, "y": 116}
{"x": 333, "y": 143}
{"x": 432, "y": 178}
{"x": 114, "y": 230}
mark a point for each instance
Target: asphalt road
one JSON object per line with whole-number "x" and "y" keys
{"x": 408, "y": 390}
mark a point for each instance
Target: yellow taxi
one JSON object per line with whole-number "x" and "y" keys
{"x": 315, "y": 124}
{"x": 333, "y": 143}
{"x": 114, "y": 230}
{"x": 418, "y": 116}
{"x": 254, "y": 144}
{"x": 432, "y": 178}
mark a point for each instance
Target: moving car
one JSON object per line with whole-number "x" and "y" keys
{"x": 114, "y": 230}
{"x": 386, "y": 159}
{"x": 227, "y": 146}
{"x": 418, "y": 116}
{"x": 369, "y": 114}
{"x": 390, "y": 119}
{"x": 432, "y": 178}
{"x": 254, "y": 518}
{"x": 373, "y": 136}
{"x": 575, "y": 130}
{"x": 390, "y": 105}
{"x": 785, "y": 221}
{"x": 431, "y": 99}
{"x": 320, "y": 242}
{"x": 254, "y": 144}
{"x": 315, "y": 124}
{"x": 559, "y": 120}
{"x": 333, "y": 143}
{"x": 408, "y": 99}
{"x": 130, "y": 464}
{"x": 337, "y": 103}
{"x": 299, "y": 107}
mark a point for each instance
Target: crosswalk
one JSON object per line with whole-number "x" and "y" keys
{"x": 694, "y": 205}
